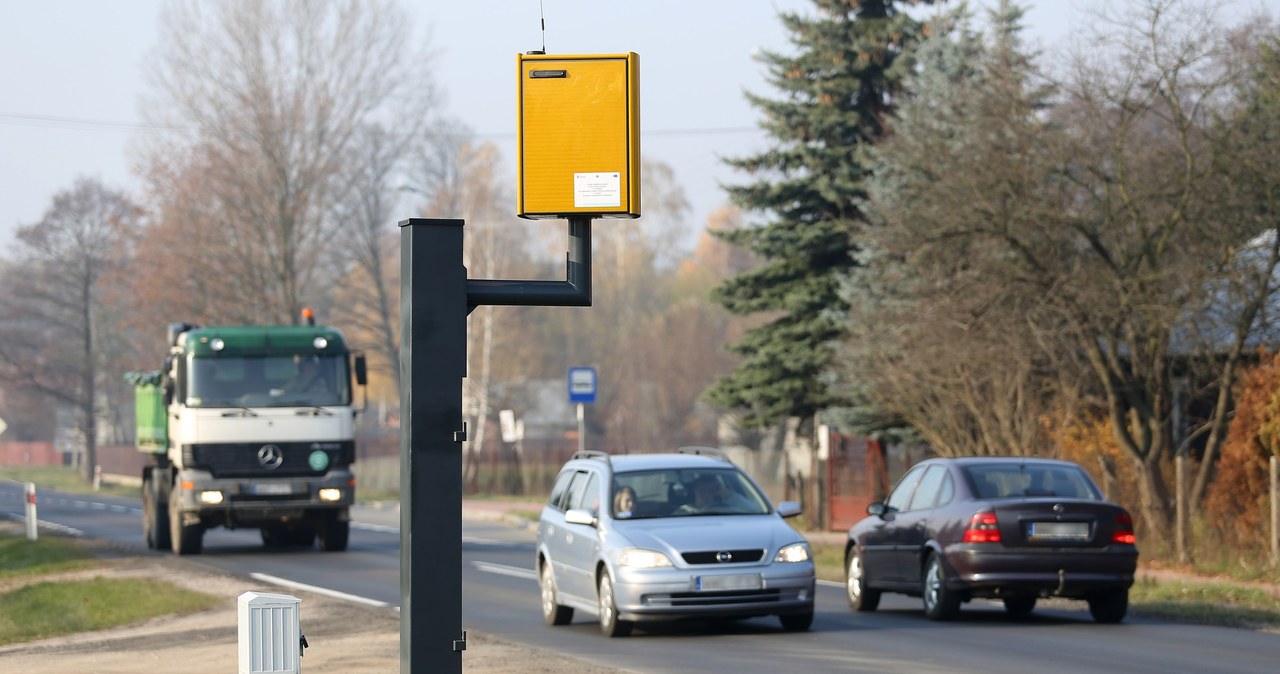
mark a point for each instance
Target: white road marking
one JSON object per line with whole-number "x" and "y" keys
{"x": 284, "y": 582}
{"x": 504, "y": 570}
{"x": 379, "y": 528}
{"x": 46, "y": 524}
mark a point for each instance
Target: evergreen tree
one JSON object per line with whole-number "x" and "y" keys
{"x": 836, "y": 94}
{"x": 883, "y": 289}
{"x": 944, "y": 337}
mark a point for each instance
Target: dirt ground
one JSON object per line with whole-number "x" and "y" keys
{"x": 343, "y": 637}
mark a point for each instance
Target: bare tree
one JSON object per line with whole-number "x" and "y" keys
{"x": 271, "y": 98}
{"x": 939, "y": 342}
{"x": 1156, "y": 248}
{"x": 368, "y": 299}
{"x": 460, "y": 179}
{"x": 57, "y": 331}
{"x": 1240, "y": 307}
{"x": 1086, "y": 238}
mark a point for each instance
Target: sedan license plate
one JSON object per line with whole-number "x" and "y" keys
{"x": 272, "y": 489}
{"x": 1058, "y": 531}
{"x": 736, "y": 581}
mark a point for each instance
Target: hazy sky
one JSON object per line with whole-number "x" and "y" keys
{"x": 72, "y": 75}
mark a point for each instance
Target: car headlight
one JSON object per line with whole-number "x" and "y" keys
{"x": 643, "y": 559}
{"x": 796, "y": 552}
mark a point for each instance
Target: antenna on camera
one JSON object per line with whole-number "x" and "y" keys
{"x": 542, "y": 18}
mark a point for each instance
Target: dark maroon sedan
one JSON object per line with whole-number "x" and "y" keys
{"x": 1016, "y": 529}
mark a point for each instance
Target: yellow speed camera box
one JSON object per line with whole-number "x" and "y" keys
{"x": 578, "y": 136}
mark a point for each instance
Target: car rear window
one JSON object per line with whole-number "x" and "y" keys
{"x": 1022, "y": 480}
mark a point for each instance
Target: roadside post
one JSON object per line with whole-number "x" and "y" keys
{"x": 578, "y": 137}
{"x": 1275, "y": 510}
{"x": 31, "y": 511}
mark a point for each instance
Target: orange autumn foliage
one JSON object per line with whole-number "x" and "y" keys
{"x": 1236, "y": 502}
{"x": 1089, "y": 441}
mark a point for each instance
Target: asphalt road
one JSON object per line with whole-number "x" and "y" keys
{"x": 501, "y": 599}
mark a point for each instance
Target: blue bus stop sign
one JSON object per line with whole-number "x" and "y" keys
{"x": 582, "y": 384}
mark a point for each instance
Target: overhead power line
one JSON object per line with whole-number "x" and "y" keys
{"x": 60, "y": 122}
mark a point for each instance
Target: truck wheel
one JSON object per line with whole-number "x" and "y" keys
{"x": 155, "y": 517}
{"x": 186, "y": 539}
{"x": 334, "y": 535}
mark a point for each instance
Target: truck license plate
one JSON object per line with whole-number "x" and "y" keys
{"x": 272, "y": 489}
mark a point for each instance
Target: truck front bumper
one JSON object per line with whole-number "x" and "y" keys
{"x": 245, "y": 502}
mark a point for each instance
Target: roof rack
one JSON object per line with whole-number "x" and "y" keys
{"x": 592, "y": 454}
{"x": 714, "y": 452}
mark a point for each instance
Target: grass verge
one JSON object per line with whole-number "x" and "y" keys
{"x": 828, "y": 561}
{"x": 40, "y": 609}
{"x": 21, "y": 557}
{"x": 61, "y": 478}
{"x": 1209, "y": 603}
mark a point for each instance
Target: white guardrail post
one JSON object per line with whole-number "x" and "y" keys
{"x": 271, "y": 639}
{"x": 31, "y": 511}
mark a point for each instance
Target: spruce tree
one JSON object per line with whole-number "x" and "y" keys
{"x": 835, "y": 97}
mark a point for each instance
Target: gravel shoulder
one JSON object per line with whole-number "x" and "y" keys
{"x": 342, "y": 636}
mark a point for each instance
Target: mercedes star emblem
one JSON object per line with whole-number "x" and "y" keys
{"x": 270, "y": 456}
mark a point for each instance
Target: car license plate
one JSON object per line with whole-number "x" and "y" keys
{"x": 1058, "y": 531}
{"x": 272, "y": 489}
{"x": 736, "y": 581}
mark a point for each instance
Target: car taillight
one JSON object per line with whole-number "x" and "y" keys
{"x": 1124, "y": 530}
{"x": 982, "y": 528}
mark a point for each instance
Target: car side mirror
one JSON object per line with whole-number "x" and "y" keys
{"x": 580, "y": 516}
{"x": 789, "y": 509}
{"x": 877, "y": 509}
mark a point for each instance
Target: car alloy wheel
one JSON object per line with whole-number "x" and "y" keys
{"x": 609, "y": 622}
{"x": 860, "y": 597}
{"x": 940, "y": 603}
{"x": 552, "y": 612}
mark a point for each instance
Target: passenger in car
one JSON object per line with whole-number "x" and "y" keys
{"x": 711, "y": 495}
{"x": 706, "y": 493}
{"x": 624, "y": 502}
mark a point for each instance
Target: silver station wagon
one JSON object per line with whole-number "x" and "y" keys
{"x": 653, "y": 537}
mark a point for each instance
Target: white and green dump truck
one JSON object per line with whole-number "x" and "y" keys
{"x": 249, "y": 427}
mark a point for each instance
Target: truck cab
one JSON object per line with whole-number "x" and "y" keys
{"x": 250, "y": 427}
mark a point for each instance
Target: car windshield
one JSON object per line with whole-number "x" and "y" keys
{"x": 685, "y": 493}
{"x": 269, "y": 381}
{"x": 1020, "y": 480}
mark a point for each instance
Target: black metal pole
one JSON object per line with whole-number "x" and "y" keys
{"x": 435, "y": 298}
{"x": 433, "y": 327}
{"x": 574, "y": 291}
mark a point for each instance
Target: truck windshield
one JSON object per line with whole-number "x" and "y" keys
{"x": 268, "y": 381}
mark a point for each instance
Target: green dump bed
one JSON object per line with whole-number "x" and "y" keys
{"x": 152, "y": 429}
